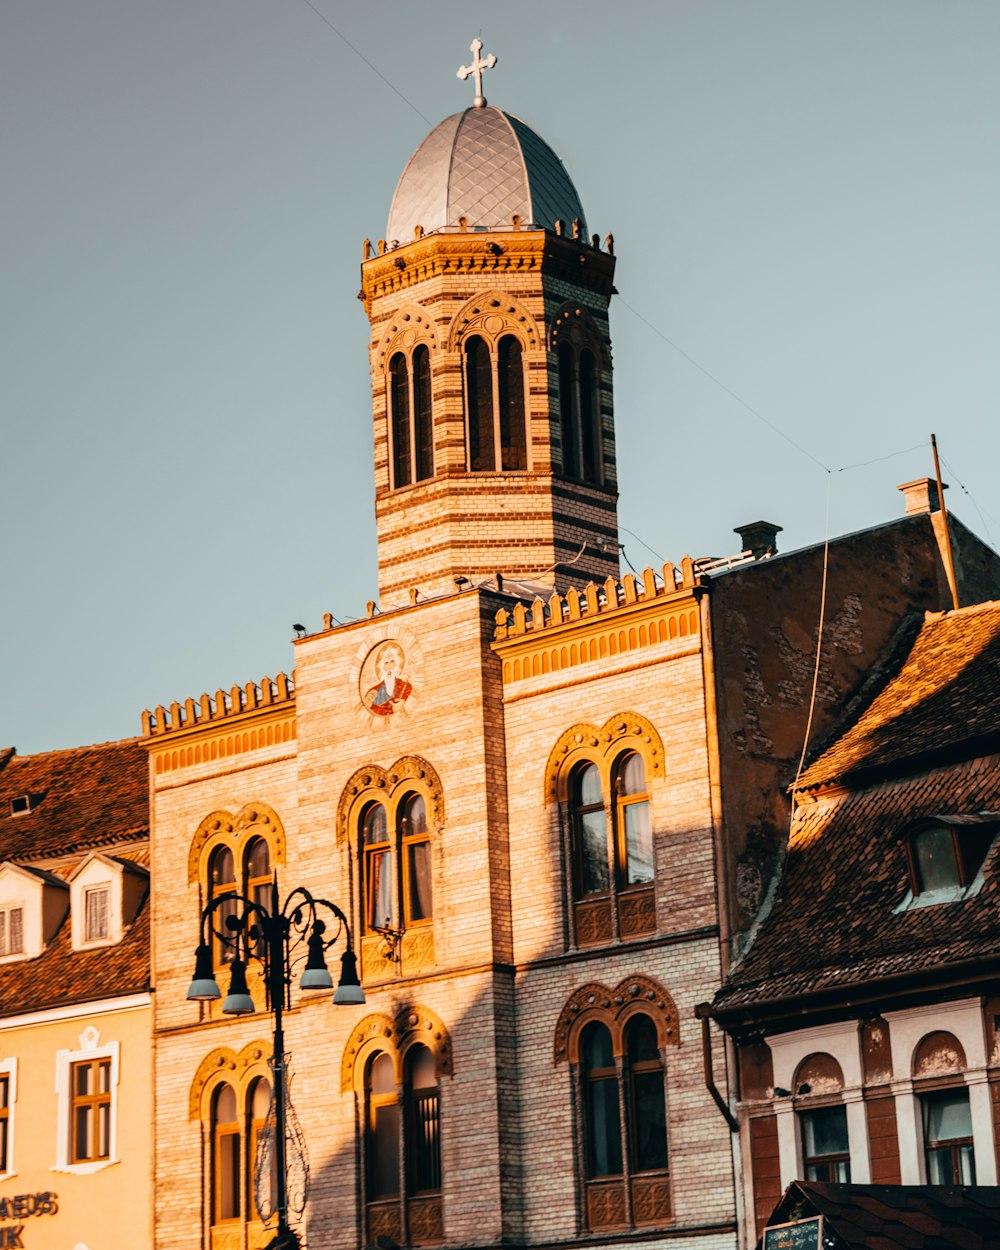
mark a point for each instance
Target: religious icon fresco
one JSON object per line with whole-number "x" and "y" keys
{"x": 384, "y": 685}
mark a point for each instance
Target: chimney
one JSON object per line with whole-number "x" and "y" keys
{"x": 921, "y": 495}
{"x": 759, "y": 538}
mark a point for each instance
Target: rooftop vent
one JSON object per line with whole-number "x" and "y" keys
{"x": 921, "y": 495}
{"x": 760, "y": 538}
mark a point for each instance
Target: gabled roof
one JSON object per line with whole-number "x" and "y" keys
{"x": 945, "y": 696}
{"x": 81, "y": 798}
{"x": 927, "y": 745}
{"x": 897, "y": 1217}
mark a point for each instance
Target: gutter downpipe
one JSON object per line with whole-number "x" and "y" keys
{"x": 703, "y": 1012}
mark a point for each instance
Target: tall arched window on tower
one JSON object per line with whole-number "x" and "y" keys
{"x": 418, "y": 902}
{"x": 635, "y": 838}
{"x": 423, "y": 429}
{"x": 379, "y": 875}
{"x": 399, "y": 408}
{"x": 568, "y": 425}
{"x": 479, "y": 398}
{"x": 589, "y": 440}
{"x": 510, "y": 376}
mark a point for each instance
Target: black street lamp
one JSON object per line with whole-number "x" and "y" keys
{"x": 275, "y": 935}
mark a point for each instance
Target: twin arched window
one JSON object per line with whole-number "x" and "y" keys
{"x": 254, "y": 880}
{"x": 411, "y": 417}
{"x": 396, "y": 866}
{"x": 625, "y": 1125}
{"x": 236, "y": 1133}
{"x": 579, "y": 413}
{"x": 403, "y": 1147}
{"x": 495, "y": 406}
{"x": 612, "y": 840}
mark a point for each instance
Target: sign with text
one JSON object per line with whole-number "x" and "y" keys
{"x": 21, "y": 1207}
{"x": 799, "y": 1235}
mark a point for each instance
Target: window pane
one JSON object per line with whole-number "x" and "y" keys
{"x": 15, "y": 935}
{"x": 479, "y": 389}
{"x": 947, "y": 1115}
{"x": 385, "y": 1150}
{"x": 603, "y": 1128}
{"x": 596, "y": 1048}
{"x": 228, "y": 1198}
{"x": 588, "y": 416}
{"x": 638, "y": 843}
{"x": 82, "y": 1120}
{"x": 511, "y": 385}
{"x": 824, "y": 1132}
{"x": 567, "y": 410}
{"x": 261, "y": 1100}
{"x": 104, "y": 1076}
{"x": 593, "y": 849}
{"x": 587, "y": 786}
{"x": 96, "y": 909}
{"x": 374, "y": 827}
{"x": 225, "y": 1106}
{"x": 381, "y": 892}
{"x": 422, "y": 1074}
{"x": 419, "y": 881}
{"x": 966, "y": 1166}
{"x": 649, "y": 1127}
{"x": 935, "y": 856}
{"x": 641, "y": 1041}
{"x": 223, "y": 868}
{"x": 258, "y": 859}
{"x": 399, "y": 409}
{"x": 4, "y": 1092}
{"x": 224, "y": 954}
{"x": 103, "y": 1130}
{"x": 424, "y": 1141}
{"x": 415, "y": 816}
{"x": 84, "y": 1078}
{"x": 4, "y": 1144}
{"x": 382, "y": 1077}
{"x": 422, "y": 413}
{"x": 632, "y": 775}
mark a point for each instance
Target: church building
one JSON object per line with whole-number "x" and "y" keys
{"x": 544, "y": 797}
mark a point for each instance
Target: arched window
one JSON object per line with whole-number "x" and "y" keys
{"x": 399, "y": 412}
{"x": 590, "y": 830}
{"x": 479, "y": 398}
{"x": 423, "y": 1133}
{"x": 258, "y": 877}
{"x": 222, "y": 883}
{"x": 589, "y": 411}
{"x": 383, "y": 1129}
{"x": 423, "y": 424}
{"x": 611, "y": 840}
{"x": 418, "y": 903}
{"x": 510, "y": 375}
{"x": 568, "y": 423}
{"x": 226, "y": 1139}
{"x": 647, "y": 1125}
{"x": 263, "y": 1186}
{"x": 379, "y": 873}
{"x": 601, "y": 1105}
{"x": 635, "y": 836}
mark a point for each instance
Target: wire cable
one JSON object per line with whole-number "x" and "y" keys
{"x": 982, "y": 515}
{"x": 392, "y": 87}
{"x": 819, "y": 643}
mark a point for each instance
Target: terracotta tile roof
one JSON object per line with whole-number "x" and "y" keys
{"x": 60, "y": 975}
{"x": 946, "y": 693}
{"x": 87, "y": 797}
{"x": 84, "y": 799}
{"x": 833, "y": 924}
{"x": 890, "y": 1217}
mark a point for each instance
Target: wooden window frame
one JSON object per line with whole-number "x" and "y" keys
{"x": 926, "y": 1091}
{"x": 6, "y": 945}
{"x": 7, "y": 1090}
{"x": 370, "y": 851}
{"x": 824, "y": 1160}
{"x": 91, "y": 893}
{"x": 407, "y": 842}
{"x": 94, "y": 1103}
{"x": 225, "y": 1132}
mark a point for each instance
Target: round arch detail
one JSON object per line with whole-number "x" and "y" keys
{"x": 635, "y": 995}
{"x": 624, "y": 730}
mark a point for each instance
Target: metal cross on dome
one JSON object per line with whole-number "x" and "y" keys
{"x": 478, "y": 65}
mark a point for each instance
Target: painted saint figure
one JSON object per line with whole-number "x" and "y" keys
{"x": 393, "y": 688}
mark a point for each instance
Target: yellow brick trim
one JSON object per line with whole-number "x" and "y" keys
{"x": 389, "y": 786}
{"x": 208, "y": 748}
{"x": 253, "y": 820}
{"x": 225, "y": 1065}
{"x": 377, "y": 1032}
{"x": 623, "y": 731}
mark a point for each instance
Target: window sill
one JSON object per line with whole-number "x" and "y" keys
{"x": 84, "y": 1169}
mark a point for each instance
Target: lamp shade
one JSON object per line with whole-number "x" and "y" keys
{"x": 238, "y": 1001}
{"x": 316, "y": 975}
{"x": 203, "y": 988}
{"x": 349, "y": 990}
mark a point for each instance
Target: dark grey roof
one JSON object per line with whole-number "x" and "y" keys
{"x": 485, "y": 165}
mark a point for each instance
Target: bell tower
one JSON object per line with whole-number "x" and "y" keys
{"x": 491, "y": 366}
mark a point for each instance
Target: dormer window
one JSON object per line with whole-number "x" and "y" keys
{"x": 22, "y": 803}
{"x": 105, "y": 896}
{"x": 945, "y": 855}
{"x": 12, "y": 930}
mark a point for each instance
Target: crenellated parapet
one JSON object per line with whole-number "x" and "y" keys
{"x": 234, "y": 702}
{"x": 600, "y": 621}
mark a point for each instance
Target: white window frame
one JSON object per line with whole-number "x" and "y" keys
{"x": 90, "y": 1050}
{"x": 89, "y": 892}
{"x": 8, "y": 1068}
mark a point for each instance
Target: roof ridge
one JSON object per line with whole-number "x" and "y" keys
{"x": 78, "y": 750}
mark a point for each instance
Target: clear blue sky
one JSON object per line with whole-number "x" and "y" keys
{"x": 804, "y": 198}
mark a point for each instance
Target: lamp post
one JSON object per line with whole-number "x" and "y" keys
{"x": 279, "y": 936}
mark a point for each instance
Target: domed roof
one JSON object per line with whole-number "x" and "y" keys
{"x": 484, "y": 165}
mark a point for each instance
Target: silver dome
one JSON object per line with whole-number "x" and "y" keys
{"x": 484, "y": 165}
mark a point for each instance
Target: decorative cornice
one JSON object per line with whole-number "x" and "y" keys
{"x": 388, "y": 785}
{"x": 633, "y": 996}
{"x": 225, "y": 1064}
{"x": 584, "y": 741}
{"x": 252, "y": 820}
{"x": 239, "y": 705}
{"x": 411, "y": 1024}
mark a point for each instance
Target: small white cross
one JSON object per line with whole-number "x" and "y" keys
{"x": 477, "y": 67}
